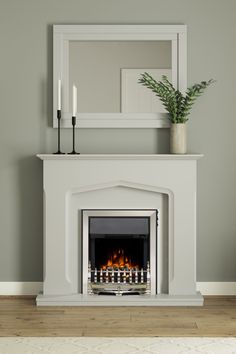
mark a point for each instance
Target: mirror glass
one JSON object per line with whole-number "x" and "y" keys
{"x": 106, "y": 74}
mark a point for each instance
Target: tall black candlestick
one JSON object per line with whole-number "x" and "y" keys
{"x": 59, "y": 133}
{"x": 73, "y": 152}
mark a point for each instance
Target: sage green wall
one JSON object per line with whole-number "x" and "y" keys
{"x": 26, "y": 111}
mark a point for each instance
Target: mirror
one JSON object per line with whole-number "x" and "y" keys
{"x": 106, "y": 74}
{"x": 104, "y": 62}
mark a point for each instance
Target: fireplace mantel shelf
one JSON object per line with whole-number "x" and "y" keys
{"x": 120, "y": 157}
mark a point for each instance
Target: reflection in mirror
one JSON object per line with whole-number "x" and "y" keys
{"x": 106, "y": 74}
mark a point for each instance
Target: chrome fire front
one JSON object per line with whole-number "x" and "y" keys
{"x": 114, "y": 281}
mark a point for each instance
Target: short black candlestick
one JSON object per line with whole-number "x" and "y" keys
{"x": 73, "y": 152}
{"x": 59, "y": 133}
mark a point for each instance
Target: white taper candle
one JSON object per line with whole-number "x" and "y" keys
{"x": 59, "y": 95}
{"x": 74, "y": 110}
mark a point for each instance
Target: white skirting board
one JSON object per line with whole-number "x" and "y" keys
{"x": 20, "y": 288}
{"x": 33, "y": 288}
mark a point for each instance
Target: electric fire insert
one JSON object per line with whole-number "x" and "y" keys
{"x": 119, "y": 251}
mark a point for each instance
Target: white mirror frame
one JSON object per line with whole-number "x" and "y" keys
{"x": 63, "y": 34}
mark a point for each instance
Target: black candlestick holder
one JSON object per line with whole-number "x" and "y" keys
{"x": 59, "y": 133}
{"x": 73, "y": 152}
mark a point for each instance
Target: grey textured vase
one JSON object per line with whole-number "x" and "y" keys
{"x": 178, "y": 139}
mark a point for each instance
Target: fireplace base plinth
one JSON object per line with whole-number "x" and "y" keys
{"x": 134, "y": 300}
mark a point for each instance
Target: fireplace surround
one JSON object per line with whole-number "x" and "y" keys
{"x": 78, "y": 190}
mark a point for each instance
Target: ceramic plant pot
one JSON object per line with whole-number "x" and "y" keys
{"x": 178, "y": 139}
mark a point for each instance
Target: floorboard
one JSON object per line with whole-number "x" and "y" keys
{"x": 20, "y": 317}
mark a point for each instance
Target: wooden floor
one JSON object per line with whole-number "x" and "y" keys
{"x": 20, "y": 317}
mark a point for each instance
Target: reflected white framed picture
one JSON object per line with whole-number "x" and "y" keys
{"x": 137, "y": 98}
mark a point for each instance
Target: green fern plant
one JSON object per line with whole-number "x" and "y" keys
{"x": 178, "y": 105}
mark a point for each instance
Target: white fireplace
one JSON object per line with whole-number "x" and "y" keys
{"x": 121, "y": 225}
